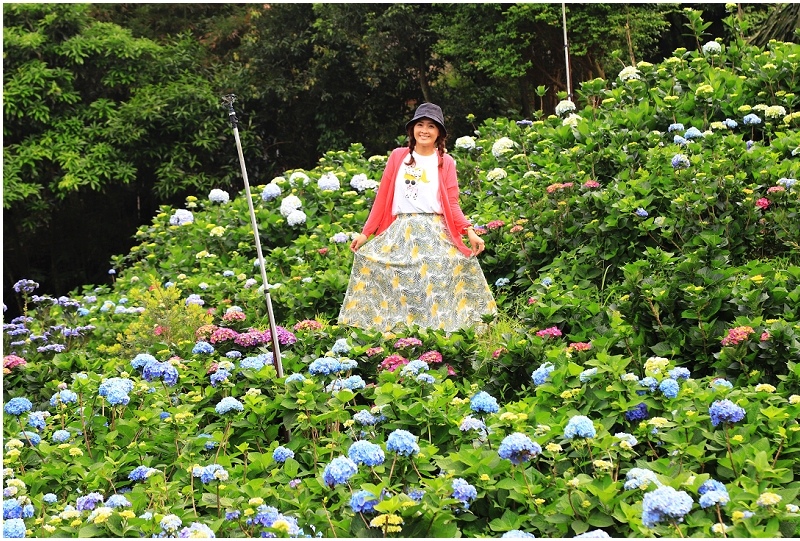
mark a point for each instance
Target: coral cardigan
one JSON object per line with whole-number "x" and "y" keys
{"x": 380, "y": 217}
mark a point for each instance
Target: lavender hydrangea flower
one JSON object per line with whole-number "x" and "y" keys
{"x": 463, "y": 491}
{"x": 140, "y": 473}
{"x": 725, "y": 411}
{"x": 751, "y": 120}
{"x": 640, "y": 478}
{"x": 88, "y": 502}
{"x": 641, "y": 213}
{"x": 196, "y": 529}
{"x": 580, "y": 426}
{"x": 680, "y": 161}
{"x": 518, "y": 448}
{"x": 665, "y": 503}
{"x": 471, "y": 423}
{"x": 338, "y": 471}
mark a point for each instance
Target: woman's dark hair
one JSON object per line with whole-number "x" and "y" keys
{"x": 440, "y": 144}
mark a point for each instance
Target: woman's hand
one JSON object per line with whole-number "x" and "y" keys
{"x": 475, "y": 241}
{"x": 357, "y": 242}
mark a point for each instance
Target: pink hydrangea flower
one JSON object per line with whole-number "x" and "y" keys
{"x": 495, "y": 224}
{"x": 737, "y": 335}
{"x": 12, "y": 361}
{"x": 222, "y": 334}
{"x": 407, "y": 343}
{"x": 591, "y": 184}
{"x": 774, "y": 189}
{"x": 580, "y": 346}
{"x": 765, "y": 336}
{"x": 391, "y": 362}
{"x": 431, "y": 357}
{"x": 550, "y": 331}
{"x": 374, "y": 351}
{"x": 763, "y": 203}
{"x": 308, "y": 325}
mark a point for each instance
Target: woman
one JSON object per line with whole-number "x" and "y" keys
{"x": 417, "y": 269}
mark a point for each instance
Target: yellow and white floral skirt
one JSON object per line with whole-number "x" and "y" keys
{"x": 413, "y": 274}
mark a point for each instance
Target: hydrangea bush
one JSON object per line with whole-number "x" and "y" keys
{"x": 641, "y": 379}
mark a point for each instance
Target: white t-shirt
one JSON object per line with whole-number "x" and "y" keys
{"x": 416, "y": 189}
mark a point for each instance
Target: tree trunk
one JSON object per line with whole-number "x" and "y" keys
{"x": 781, "y": 25}
{"x": 423, "y": 79}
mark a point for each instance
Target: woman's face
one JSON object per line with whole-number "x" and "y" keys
{"x": 426, "y": 132}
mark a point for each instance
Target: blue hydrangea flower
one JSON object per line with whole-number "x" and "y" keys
{"x": 253, "y": 363}
{"x": 641, "y": 213}
{"x": 63, "y": 397}
{"x": 232, "y": 515}
{"x": 365, "y": 418}
{"x": 502, "y": 282}
{"x": 680, "y": 161}
{"x": 714, "y": 497}
{"x": 541, "y": 374}
{"x": 202, "y": 347}
{"x": 363, "y": 501}
{"x": 517, "y": 534}
{"x": 730, "y": 123}
{"x": 366, "y": 453}
{"x": 34, "y": 438}
{"x": 117, "y": 500}
{"x": 650, "y": 382}
{"x": 17, "y": 406}
{"x": 593, "y": 534}
{"x": 210, "y": 444}
{"x": 518, "y": 448}
{"x": 547, "y": 281}
{"x": 627, "y": 438}
{"x": 295, "y": 377}
{"x": 580, "y": 426}
{"x": 338, "y": 471}
{"x": 678, "y": 140}
{"x": 325, "y": 366}
{"x": 141, "y": 360}
{"x": 665, "y": 503}
{"x": 49, "y": 498}
{"x": 281, "y": 454}
{"x": 341, "y": 347}
{"x": 60, "y": 436}
{"x": 693, "y": 133}
{"x": 640, "y": 478}
{"x": 11, "y": 509}
{"x": 463, "y": 491}
{"x": 36, "y": 419}
{"x": 416, "y": 494}
{"x": 140, "y": 473}
{"x": 725, "y": 411}
{"x": 711, "y": 484}
{"x": 679, "y": 373}
{"x": 402, "y": 442}
{"x": 414, "y": 367}
{"x": 751, "y": 120}
{"x": 88, "y": 502}
{"x": 720, "y": 384}
{"x": 483, "y": 402}
{"x": 14, "y": 528}
{"x": 587, "y": 375}
{"x": 170, "y": 523}
{"x": 211, "y": 473}
{"x": 787, "y": 183}
{"x": 227, "y": 405}
{"x": 426, "y": 378}
{"x": 675, "y": 127}
{"x": 471, "y": 423}
{"x": 669, "y": 387}
{"x": 196, "y": 529}
{"x": 116, "y": 390}
{"x": 219, "y": 376}
{"x": 271, "y": 191}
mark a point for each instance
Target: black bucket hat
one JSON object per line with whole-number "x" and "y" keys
{"x": 431, "y": 111}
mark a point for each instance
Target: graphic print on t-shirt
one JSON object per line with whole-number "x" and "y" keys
{"x": 413, "y": 176}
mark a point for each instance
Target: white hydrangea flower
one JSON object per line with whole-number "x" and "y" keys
{"x": 296, "y": 217}
{"x": 571, "y": 120}
{"x": 328, "y": 182}
{"x": 219, "y": 196}
{"x": 502, "y": 146}
{"x": 775, "y": 111}
{"x": 298, "y": 176}
{"x": 629, "y": 73}
{"x": 712, "y": 47}
{"x": 466, "y": 142}
{"x": 564, "y": 106}
{"x": 289, "y": 204}
{"x": 496, "y": 174}
{"x": 360, "y": 182}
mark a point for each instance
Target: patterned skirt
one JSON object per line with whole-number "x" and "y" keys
{"x": 413, "y": 274}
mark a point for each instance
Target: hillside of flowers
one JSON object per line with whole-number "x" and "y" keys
{"x": 642, "y": 377}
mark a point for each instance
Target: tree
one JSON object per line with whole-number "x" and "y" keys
{"x": 94, "y": 117}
